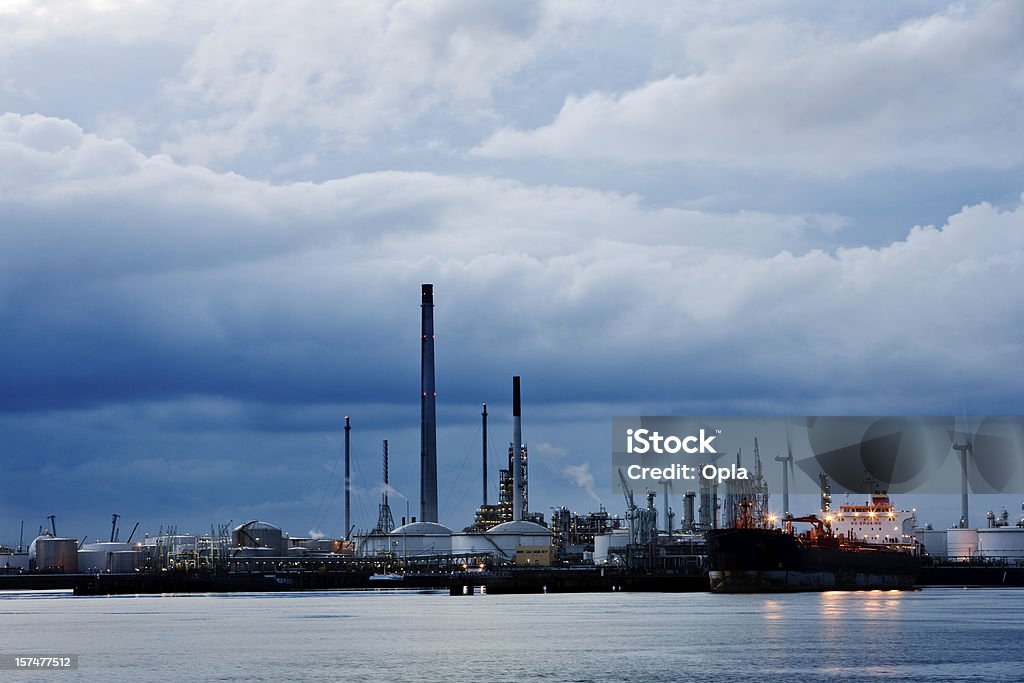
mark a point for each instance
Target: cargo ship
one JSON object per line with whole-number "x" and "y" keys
{"x": 758, "y": 560}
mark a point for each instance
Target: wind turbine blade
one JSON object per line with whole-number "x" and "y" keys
{"x": 789, "y": 445}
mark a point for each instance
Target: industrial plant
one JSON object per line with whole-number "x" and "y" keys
{"x": 507, "y": 547}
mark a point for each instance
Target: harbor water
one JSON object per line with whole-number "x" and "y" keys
{"x": 936, "y": 634}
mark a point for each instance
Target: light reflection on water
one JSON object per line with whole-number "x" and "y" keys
{"x": 771, "y": 609}
{"x": 930, "y": 635}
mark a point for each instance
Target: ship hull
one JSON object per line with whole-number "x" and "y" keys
{"x": 770, "y": 561}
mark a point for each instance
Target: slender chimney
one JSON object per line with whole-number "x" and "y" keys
{"x": 428, "y": 411}
{"x": 484, "y": 414}
{"x": 517, "y": 452}
{"x": 348, "y": 500}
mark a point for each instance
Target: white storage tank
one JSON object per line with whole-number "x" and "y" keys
{"x": 421, "y": 539}
{"x": 375, "y": 543}
{"x": 1004, "y": 541}
{"x": 474, "y": 543}
{"x": 933, "y": 540}
{"x": 961, "y": 543}
{"x": 508, "y": 536}
{"x": 606, "y": 545}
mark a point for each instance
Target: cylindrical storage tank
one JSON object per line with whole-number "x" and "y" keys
{"x": 421, "y": 539}
{"x": 961, "y": 543}
{"x": 601, "y": 543}
{"x": 13, "y": 561}
{"x": 373, "y": 544}
{"x": 92, "y": 561}
{"x": 95, "y": 557}
{"x": 55, "y": 554}
{"x": 257, "y": 534}
{"x": 605, "y": 545}
{"x": 471, "y": 544}
{"x": 510, "y": 535}
{"x": 125, "y": 561}
{"x": 934, "y": 542}
{"x": 1005, "y": 542}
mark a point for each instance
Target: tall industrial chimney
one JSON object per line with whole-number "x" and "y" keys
{"x": 348, "y": 485}
{"x": 428, "y": 411}
{"x": 484, "y": 415}
{"x": 517, "y": 452}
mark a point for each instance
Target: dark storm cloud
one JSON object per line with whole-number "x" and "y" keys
{"x": 130, "y": 277}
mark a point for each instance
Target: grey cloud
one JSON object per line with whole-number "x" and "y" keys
{"x": 347, "y": 71}
{"x": 179, "y": 281}
{"x": 936, "y": 93}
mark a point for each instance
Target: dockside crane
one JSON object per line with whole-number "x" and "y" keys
{"x": 631, "y": 515}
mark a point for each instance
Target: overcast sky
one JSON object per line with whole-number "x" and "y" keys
{"x": 215, "y": 218}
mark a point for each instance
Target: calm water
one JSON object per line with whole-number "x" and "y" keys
{"x": 931, "y": 635}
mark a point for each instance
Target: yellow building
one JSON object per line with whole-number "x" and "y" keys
{"x": 534, "y": 555}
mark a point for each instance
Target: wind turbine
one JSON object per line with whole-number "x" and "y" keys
{"x": 785, "y": 473}
{"x": 963, "y": 450}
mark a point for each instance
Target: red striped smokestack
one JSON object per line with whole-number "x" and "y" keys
{"x": 428, "y": 410}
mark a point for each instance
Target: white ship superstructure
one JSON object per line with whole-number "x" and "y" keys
{"x": 875, "y": 521}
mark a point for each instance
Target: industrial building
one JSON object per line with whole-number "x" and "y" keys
{"x": 999, "y": 542}
{"x": 505, "y": 533}
{"x": 502, "y": 532}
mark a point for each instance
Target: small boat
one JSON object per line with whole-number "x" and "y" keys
{"x": 387, "y": 578}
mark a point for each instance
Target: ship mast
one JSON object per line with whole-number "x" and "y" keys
{"x": 760, "y": 491}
